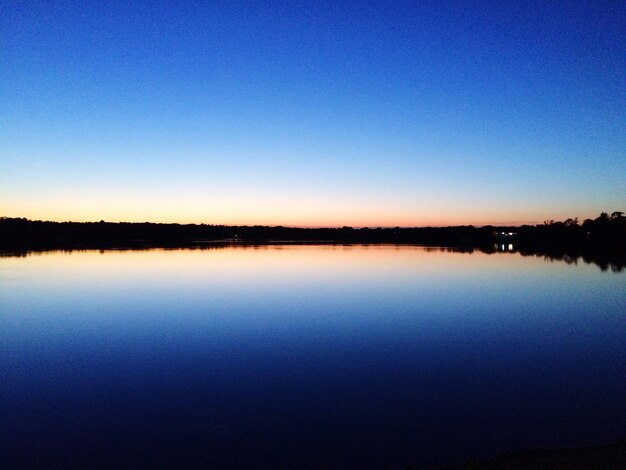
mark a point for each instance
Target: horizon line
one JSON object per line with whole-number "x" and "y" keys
{"x": 356, "y": 227}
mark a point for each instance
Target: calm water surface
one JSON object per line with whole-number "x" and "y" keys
{"x": 304, "y": 356}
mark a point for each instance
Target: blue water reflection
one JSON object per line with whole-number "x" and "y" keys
{"x": 305, "y": 356}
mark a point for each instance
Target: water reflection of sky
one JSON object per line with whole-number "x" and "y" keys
{"x": 288, "y": 355}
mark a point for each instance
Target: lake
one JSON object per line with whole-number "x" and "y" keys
{"x": 314, "y": 356}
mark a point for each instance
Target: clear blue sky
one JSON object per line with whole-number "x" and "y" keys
{"x": 313, "y": 113}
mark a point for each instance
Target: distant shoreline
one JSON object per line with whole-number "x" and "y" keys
{"x": 601, "y": 240}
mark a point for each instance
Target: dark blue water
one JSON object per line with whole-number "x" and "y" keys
{"x": 314, "y": 356}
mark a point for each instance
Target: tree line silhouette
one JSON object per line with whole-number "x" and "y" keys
{"x": 602, "y": 238}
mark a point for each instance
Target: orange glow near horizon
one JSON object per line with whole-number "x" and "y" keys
{"x": 290, "y": 220}
{"x": 289, "y": 215}
{"x": 274, "y": 206}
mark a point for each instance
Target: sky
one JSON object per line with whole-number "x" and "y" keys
{"x": 312, "y": 113}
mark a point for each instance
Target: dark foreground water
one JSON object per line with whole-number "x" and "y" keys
{"x": 304, "y": 356}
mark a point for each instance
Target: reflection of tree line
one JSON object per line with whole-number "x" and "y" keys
{"x": 601, "y": 240}
{"x": 616, "y": 262}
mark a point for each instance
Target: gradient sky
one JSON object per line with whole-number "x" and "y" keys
{"x": 313, "y": 113}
